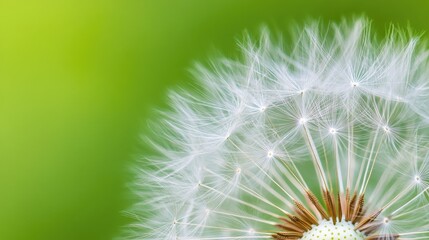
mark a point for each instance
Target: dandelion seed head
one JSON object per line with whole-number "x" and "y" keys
{"x": 323, "y": 136}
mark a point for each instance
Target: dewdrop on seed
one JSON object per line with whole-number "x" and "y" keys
{"x": 324, "y": 137}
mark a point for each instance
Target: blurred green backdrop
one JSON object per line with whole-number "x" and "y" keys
{"x": 79, "y": 78}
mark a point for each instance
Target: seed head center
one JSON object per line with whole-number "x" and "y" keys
{"x": 327, "y": 230}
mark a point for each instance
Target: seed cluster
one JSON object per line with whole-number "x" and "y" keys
{"x": 345, "y": 212}
{"x": 327, "y": 230}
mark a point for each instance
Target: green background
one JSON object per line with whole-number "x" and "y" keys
{"x": 79, "y": 78}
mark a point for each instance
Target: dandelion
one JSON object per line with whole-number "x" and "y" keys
{"x": 323, "y": 137}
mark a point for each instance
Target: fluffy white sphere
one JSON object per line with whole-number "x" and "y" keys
{"x": 330, "y": 125}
